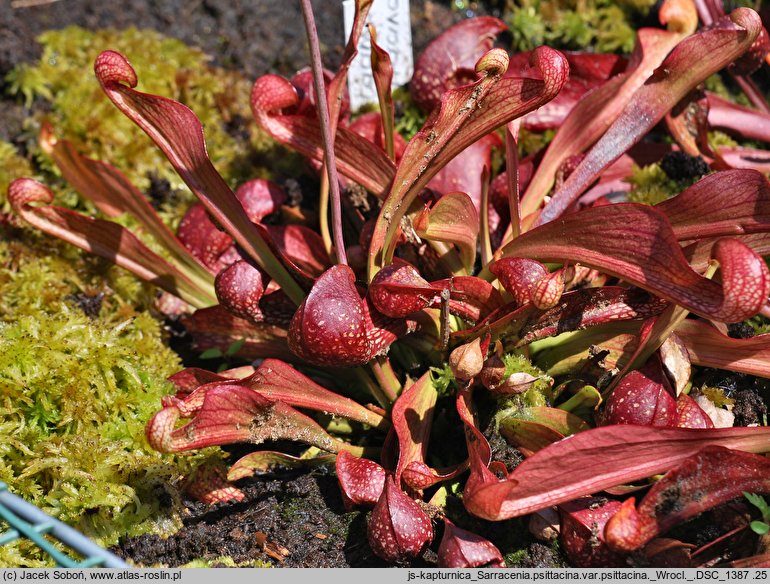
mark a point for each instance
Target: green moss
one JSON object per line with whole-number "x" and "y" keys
{"x": 409, "y": 118}
{"x": 516, "y": 558}
{"x": 292, "y": 509}
{"x": 443, "y": 380}
{"x": 29, "y": 82}
{"x": 651, "y": 185}
{"x": 531, "y": 142}
{"x": 715, "y": 84}
{"x": 759, "y": 323}
{"x": 165, "y": 66}
{"x": 726, "y": 87}
{"x": 638, "y": 6}
{"x": 721, "y": 140}
{"x": 602, "y": 25}
{"x": 76, "y": 395}
{"x": 76, "y": 392}
{"x": 527, "y": 26}
{"x": 537, "y": 395}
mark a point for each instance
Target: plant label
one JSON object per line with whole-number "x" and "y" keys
{"x": 390, "y": 19}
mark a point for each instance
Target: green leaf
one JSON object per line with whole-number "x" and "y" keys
{"x": 760, "y": 503}
{"x": 535, "y": 428}
{"x": 759, "y": 527}
{"x": 754, "y": 499}
{"x": 235, "y": 347}
{"x": 212, "y": 353}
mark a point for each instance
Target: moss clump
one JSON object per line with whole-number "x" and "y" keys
{"x": 651, "y": 185}
{"x": 540, "y": 392}
{"x": 531, "y": 142}
{"x": 759, "y": 324}
{"x": 77, "y": 390}
{"x": 443, "y": 380}
{"x": 409, "y": 118}
{"x": 76, "y": 394}
{"x": 166, "y": 67}
{"x": 516, "y": 558}
{"x": 603, "y": 25}
{"x": 720, "y": 140}
{"x": 726, "y": 88}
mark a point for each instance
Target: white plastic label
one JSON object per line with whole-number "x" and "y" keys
{"x": 394, "y": 34}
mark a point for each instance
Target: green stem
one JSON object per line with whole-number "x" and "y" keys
{"x": 374, "y": 388}
{"x": 386, "y": 377}
{"x": 323, "y": 213}
{"x": 666, "y": 324}
{"x": 486, "y": 242}
{"x": 587, "y": 396}
{"x": 372, "y": 452}
{"x": 449, "y": 258}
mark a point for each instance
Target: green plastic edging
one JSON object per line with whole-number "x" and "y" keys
{"x": 27, "y": 521}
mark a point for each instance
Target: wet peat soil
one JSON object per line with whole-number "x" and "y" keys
{"x": 294, "y": 521}
{"x": 291, "y": 520}
{"x": 297, "y": 520}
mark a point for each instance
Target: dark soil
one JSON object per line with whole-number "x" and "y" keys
{"x": 253, "y": 37}
{"x": 298, "y": 521}
{"x": 293, "y": 521}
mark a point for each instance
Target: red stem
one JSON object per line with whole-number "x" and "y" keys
{"x": 751, "y": 90}
{"x": 708, "y": 11}
{"x": 512, "y": 169}
{"x": 323, "y": 118}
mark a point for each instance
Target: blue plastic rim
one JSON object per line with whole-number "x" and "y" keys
{"x": 27, "y": 521}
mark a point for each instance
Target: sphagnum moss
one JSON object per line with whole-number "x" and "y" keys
{"x": 75, "y": 394}
{"x": 651, "y": 185}
{"x": 603, "y": 25}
